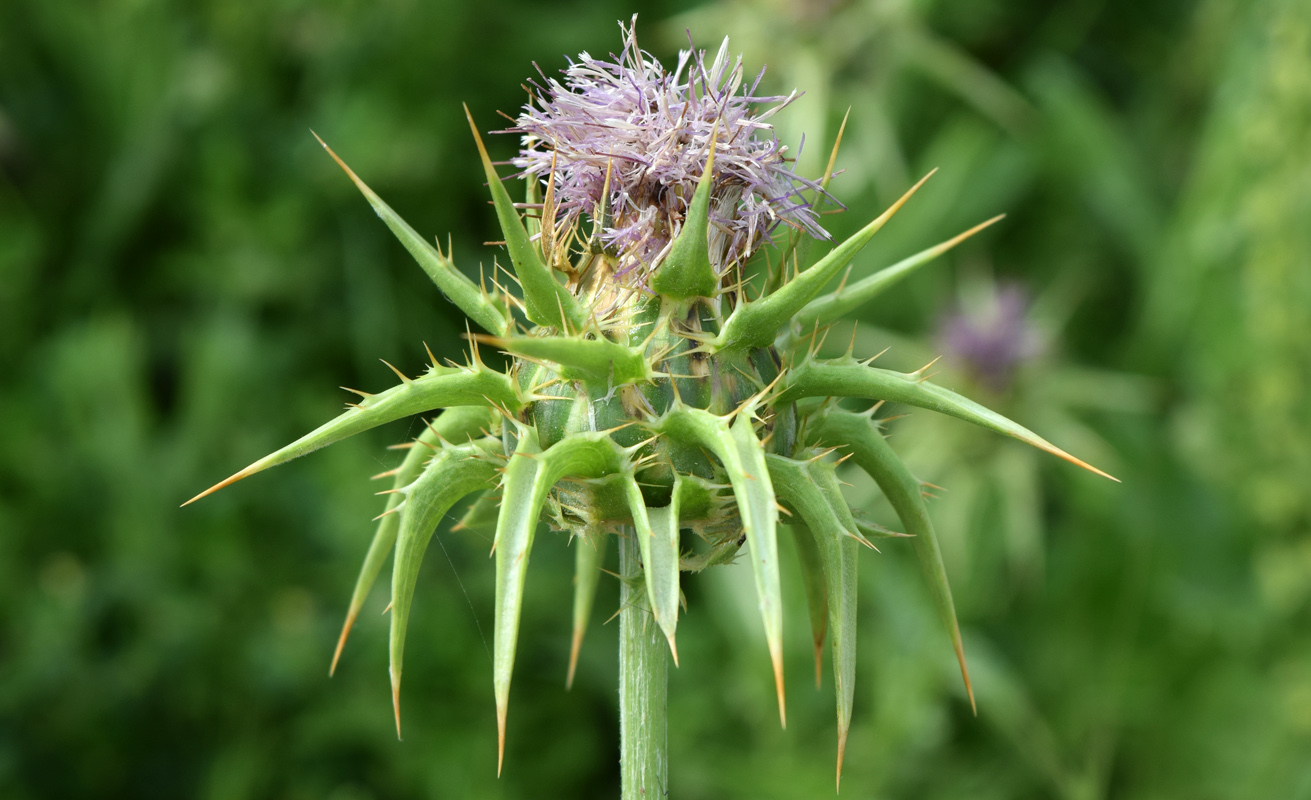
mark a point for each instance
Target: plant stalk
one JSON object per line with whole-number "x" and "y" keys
{"x": 643, "y": 684}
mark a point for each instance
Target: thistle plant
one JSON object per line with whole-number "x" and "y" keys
{"x": 1003, "y": 340}
{"x": 664, "y": 380}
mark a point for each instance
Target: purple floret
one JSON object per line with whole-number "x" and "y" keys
{"x": 652, "y": 129}
{"x": 993, "y": 340}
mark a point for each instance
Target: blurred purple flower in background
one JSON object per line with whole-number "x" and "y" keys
{"x": 992, "y": 336}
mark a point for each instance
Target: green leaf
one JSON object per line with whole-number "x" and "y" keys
{"x": 547, "y": 302}
{"x": 686, "y": 271}
{"x": 470, "y": 298}
{"x": 824, "y": 311}
{"x": 873, "y": 530}
{"x": 855, "y": 433}
{"x": 801, "y": 486}
{"x": 480, "y": 516}
{"x": 696, "y": 497}
{"x": 846, "y": 378}
{"x": 441, "y": 387}
{"x": 453, "y": 472}
{"x": 453, "y": 425}
{"x": 529, "y": 478}
{"x": 743, "y": 459}
{"x": 839, "y": 552}
{"x": 812, "y": 575}
{"x": 840, "y": 555}
{"x": 525, "y": 492}
{"x": 599, "y": 360}
{"x": 657, "y": 539}
{"x": 799, "y": 242}
{"x": 811, "y": 490}
{"x": 532, "y": 196}
{"x": 589, "y": 555}
{"x": 757, "y": 324}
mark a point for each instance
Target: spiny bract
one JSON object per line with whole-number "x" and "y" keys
{"x": 649, "y": 394}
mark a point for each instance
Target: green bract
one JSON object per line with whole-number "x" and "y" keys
{"x": 648, "y": 407}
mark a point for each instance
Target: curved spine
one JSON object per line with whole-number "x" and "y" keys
{"x": 589, "y": 555}
{"x": 812, "y": 576}
{"x": 686, "y": 271}
{"x": 453, "y": 472}
{"x": 529, "y": 477}
{"x": 473, "y": 300}
{"x": 441, "y": 387}
{"x": 743, "y": 459}
{"x": 827, "y": 309}
{"x": 856, "y": 434}
{"x": 599, "y": 360}
{"x": 657, "y": 540}
{"x": 756, "y": 324}
{"x": 848, "y": 378}
{"x": 546, "y": 301}
{"x": 806, "y": 488}
{"x": 453, "y": 425}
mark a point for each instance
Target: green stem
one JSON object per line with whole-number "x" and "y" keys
{"x": 643, "y": 684}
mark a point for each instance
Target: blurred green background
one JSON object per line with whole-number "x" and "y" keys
{"x": 185, "y": 276}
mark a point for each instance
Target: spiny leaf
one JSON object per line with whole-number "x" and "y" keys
{"x": 453, "y": 425}
{"x": 532, "y": 197}
{"x": 481, "y": 515}
{"x": 873, "y": 530}
{"x": 696, "y": 497}
{"x": 441, "y": 387}
{"x": 657, "y": 539}
{"x": 841, "y": 556}
{"x": 743, "y": 458}
{"x": 812, "y": 575}
{"x": 547, "y": 302}
{"x": 686, "y": 271}
{"x": 529, "y": 477}
{"x": 589, "y": 555}
{"x": 840, "y": 551}
{"x": 825, "y": 310}
{"x": 809, "y": 488}
{"x": 453, "y": 472}
{"x": 521, "y": 506}
{"x": 846, "y": 378}
{"x": 856, "y": 434}
{"x": 599, "y": 360}
{"x": 457, "y": 288}
{"x": 799, "y": 243}
{"x": 800, "y": 488}
{"x": 756, "y": 324}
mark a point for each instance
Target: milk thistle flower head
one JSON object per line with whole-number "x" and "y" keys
{"x": 651, "y": 399}
{"x": 626, "y": 141}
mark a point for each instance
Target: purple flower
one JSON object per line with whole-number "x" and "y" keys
{"x": 994, "y": 337}
{"x": 651, "y": 129}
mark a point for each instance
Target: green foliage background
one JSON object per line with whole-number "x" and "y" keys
{"x": 184, "y": 276}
